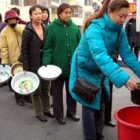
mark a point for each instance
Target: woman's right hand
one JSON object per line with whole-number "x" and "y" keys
{"x": 44, "y": 64}
{"x": 131, "y": 84}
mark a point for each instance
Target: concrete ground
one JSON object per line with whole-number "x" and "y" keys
{"x": 20, "y": 123}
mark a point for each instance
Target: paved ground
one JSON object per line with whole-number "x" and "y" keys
{"x": 19, "y": 123}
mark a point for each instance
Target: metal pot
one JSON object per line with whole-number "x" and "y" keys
{"x": 135, "y": 96}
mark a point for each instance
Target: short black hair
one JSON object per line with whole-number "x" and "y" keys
{"x": 134, "y": 13}
{"x": 62, "y": 7}
{"x": 46, "y": 9}
{"x": 0, "y": 17}
{"x": 33, "y": 7}
{"x": 16, "y": 9}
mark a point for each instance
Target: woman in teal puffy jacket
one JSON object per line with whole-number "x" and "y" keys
{"x": 94, "y": 59}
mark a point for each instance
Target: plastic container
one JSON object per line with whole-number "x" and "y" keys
{"x": 49, "y": 73}
{"x": 25, "y": 83}
{"x": 128, "y": 123}
{"x": 4, "y": 74}
{"x": 16, "y": 68}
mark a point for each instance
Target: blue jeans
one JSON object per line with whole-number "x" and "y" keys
{"x": 92, "y": 123}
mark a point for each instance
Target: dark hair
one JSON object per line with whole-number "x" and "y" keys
{"x": 102, "y": 1}
{"x": 116, "y": 5}
{"x": 97, "y": 14}
{"x": 97, "y": 9}
{"x": 62, "y": 7}
{"x": 46, "y": 9}
{"x": 113, "y": 5}
{"x": 16, "y": 9}
{"x": 0, "y": 17}
{"x": 33, "y": 8}
{"x": 134, "y": 13}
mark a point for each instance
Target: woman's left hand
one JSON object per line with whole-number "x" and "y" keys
{"x": 131, "y": 84}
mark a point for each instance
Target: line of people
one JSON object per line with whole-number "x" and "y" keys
{"x": 41, "y": 42}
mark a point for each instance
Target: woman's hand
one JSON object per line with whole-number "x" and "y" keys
{"x": 131, "y": 84}
{"x": 44, "y": 64}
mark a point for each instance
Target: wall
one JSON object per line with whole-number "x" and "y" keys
{"x": 23, "y": 10}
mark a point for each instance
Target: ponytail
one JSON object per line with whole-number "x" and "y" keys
{"x": 113, "y": 5}
{"x": 97, "y": 14}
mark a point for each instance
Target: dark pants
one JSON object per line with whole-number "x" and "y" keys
{"x": 57, "y": 91}
{"x": 9, "y": 84}
{"x": 41, "y": 98}
{"x": 135, "y": 49}
{"x": 108, "y": 105}
{"x": 93, "y": 123}
{"x": 18, "y": 97}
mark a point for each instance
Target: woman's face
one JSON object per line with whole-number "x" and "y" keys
{"x": 45, "y": 15}
{"x": 118, "y": 16}
{"x": 36, "y": 16}
{"x": 66, "y": 15}
{"x": 12, "y": 21}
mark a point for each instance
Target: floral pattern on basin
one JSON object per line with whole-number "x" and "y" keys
{"x": 26, "y": 86}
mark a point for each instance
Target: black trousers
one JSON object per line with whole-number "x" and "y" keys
{"x": 92, "y": 123}
{"x": 135, "y": 49}
{"x": 17, "y": 96}
{"x": 57, "y": 91}
{"x": 108, "y": 104}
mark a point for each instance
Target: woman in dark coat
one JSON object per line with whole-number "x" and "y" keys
{"x": 133, "y": 35}
{"x": 31, "y": 55}
{"x": 45, "y": 15}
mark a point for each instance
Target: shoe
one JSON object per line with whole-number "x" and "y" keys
{"x": 28, "y": 99}
{"x": 49, "y": 114}
{"x": 110, "y": 123}
{"x": 42, "y": 118}
{"x": 73, "y": 117}
{"x": 20, "y": 102}
{"x": 61, "y": 121}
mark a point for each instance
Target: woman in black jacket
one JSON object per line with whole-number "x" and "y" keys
{"x": 45, "y": 15}
{"x": 31, "y": 55}
{"x": 133, "y": 35}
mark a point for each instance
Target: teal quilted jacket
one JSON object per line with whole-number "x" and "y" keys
{"x": 94, "y": 60}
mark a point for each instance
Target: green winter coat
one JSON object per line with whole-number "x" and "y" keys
{"x": 61, "y": 41}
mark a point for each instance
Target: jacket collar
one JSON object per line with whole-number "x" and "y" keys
{"x": 30, "y": 27}
{"x": 61, "y": 23}
{"x": 110, "y": 24}
{"x": 106, "y": 22}
{"x": 132, "y": 20}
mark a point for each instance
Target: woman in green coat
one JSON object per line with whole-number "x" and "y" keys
{"x": 62, "y": 38}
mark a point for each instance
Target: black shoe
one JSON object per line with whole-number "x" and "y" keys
{"x": 49, "y": 114}
{"x": 42, "y": 118}
{"x": 20, "y": 102}
{"x": 28, "y": 99}
{"x": 73, "y": 117}
{"x": 61, "y": 121}
{"x": 110, "y": 123}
